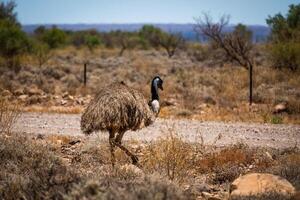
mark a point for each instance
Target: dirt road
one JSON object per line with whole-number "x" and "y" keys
{"x": 266, "y": 135}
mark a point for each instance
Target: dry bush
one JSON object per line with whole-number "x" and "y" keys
{"x": 226, "y": 164}
{"x": 8, "y": 115}
{"x": 148, "y": 187}
{"x": 268, "y": 196}
{"x": 53, "y": 109}
{"x": 31, "y": 171}
{"x": 170, "y": 156}
{"x": 288, "y": 167}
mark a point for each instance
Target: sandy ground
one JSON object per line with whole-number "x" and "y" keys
{"x": 218, "y": 133}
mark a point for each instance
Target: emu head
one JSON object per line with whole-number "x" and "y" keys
{"x": 157, "y": 83}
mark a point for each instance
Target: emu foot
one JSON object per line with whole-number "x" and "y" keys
{"x": 135, "y": 160}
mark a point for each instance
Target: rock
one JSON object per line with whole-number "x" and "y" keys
{"x": 79, "y": 101}
{"x": 65, "y": 95}
{"x": 255, "y": 184}
{"x": 19, "y": 92}
{"x": 70, "y": 97}
{"x": 23, "y": 97}
{"x": 34, "y": 91}
{"x": 6, "y": 93}
{"x": 279, "y": 108}
{"x": 63, "y": 102}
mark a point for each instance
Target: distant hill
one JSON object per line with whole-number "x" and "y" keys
{"x": 260, "y": 33}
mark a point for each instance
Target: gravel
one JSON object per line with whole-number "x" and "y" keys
{"x": 217, "y": 133}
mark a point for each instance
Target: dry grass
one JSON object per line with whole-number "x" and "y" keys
{"x": 8, "y": 115}
{"x": 54, "y": 109}
{"x": 202, "y": 89}
{"x": 31, "y": 171}
{"x": 170, "y": 156}
{"x": 52, "y": 167}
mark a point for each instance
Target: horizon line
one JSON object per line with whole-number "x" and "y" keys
{"x": 132, "y": 23}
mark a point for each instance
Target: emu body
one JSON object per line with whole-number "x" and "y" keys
{"x": 117, "y": 109}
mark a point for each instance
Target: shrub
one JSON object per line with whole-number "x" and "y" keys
{"x": 149, "y": 187}
{"x": 169, "y": 156}
{"x": 91, "y": 41}
{"x": 89, "y": 38}
{"x": 226, "y": 164}
{"x": 13, "y": 42}
{"x": 285, "y": 39}
{"x": 285, "y": 55}
{"x": 7, "y": 11}
{"x": 289, "y": 168}
{"x": 8, "y": 115}
{"x": 41, "y": 53}
{"x": 275, "y": 119}
{"x": 54, "y": 37}
{"x": 31, "y": 171}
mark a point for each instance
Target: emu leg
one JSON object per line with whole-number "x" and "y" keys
{"x": 118, "y": 143}
{"x": 112, "y": 147}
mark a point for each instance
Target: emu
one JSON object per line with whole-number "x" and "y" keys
{"x": 119, "y": 108}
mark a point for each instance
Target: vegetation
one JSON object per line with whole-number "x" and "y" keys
{"x": 13, "y": 40}
{"x": 42, "y": 71}
{"x": 53, "y": 167}
{"x": 285, "y": 39}
{"x": 236, "y": 45}
{"x": 54, "y": 37}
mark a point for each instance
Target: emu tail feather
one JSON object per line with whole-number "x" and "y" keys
{"x": 86, "y": 128}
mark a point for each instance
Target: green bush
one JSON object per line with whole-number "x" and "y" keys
{"x": 13, "y": 42}
{"x": 276, "y": 119}
{"x": 286, "y": 55}
{"x": 89, "y": 38}
{"x": 91, "y": 41}
{"x": 7, "y": 12}
{"x": 41, "y": 52}
{"x": 285, "y": 39}
{"x": 54, "y": 37}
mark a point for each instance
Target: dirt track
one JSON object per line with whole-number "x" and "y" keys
{"x": 264, "y": 135}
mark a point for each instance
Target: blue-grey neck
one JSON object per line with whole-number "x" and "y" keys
{"x": 154, "y": 90}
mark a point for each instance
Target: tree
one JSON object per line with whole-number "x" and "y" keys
{"x": 236, "y": 45}
{"x": 13, "y": 41}
{"x": 170, "y": 42}
{"x": 158, "y": 38}
{"x": 285, "y": 38}
{"x": 54, "y": 37}
{"x": 125, "y": 40}
{"x": 91, "y": 41}
{"x": 150, "y": 35}
{"x": 39, "y": 31}
{"x": 7, "y": 12}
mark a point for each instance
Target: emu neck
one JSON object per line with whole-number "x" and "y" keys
{"x": 154, "y": 91}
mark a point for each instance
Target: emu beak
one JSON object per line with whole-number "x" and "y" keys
{"x": 161, "y": 87}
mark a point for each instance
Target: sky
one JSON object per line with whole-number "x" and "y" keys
{"x": 251, "y": 12}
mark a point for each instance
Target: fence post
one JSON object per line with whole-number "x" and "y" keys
{"x": 84, "y": 75}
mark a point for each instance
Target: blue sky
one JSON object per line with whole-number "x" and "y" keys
{"x": 146, "y": 11}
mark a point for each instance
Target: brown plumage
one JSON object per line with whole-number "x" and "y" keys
{"x": 116, "y": 109}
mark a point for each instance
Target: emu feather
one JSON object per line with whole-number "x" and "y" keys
{"x": 118, "y": 108}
